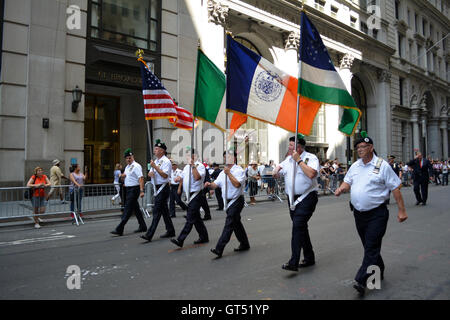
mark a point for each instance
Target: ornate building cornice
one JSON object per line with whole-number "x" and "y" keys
{"x": 347, "y": 61}
{"x": 291, "y": 40}
{"x": 384, "y": 75}
{"x": 217, "y": 12}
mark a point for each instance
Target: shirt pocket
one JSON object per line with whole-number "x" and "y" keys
{"x": 376, "y": 178}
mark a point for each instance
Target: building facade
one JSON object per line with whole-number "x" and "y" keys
{"x": 393, "y": 56}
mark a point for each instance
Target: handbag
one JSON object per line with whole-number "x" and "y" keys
{"x": 28, "y": 193}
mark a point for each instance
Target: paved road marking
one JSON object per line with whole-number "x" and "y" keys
{"x": 34, "y": 240}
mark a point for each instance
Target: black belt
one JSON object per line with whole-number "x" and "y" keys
{"x": 368, "y": 211}
{"x": 228, "y": 200}
{"x": 132, "y": 186}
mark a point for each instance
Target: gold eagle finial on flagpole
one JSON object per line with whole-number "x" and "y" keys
{"x": 139, "y": 53}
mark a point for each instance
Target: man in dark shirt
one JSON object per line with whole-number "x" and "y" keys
{"x": 394, "y": 165}
{"x": 421, "y": 176}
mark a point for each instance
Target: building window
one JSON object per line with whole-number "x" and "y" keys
{"x": 400, "y": 45}
{"x": 401, "y": 84}
{"x": 397, "y": 9}
{"x": 424, "y": 26}
{"x": 130, "y": 22}
{"x": 415, "y": 22}
{"x": 364, "y": 27}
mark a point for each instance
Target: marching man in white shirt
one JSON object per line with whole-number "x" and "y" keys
{"x": 235, "y": 202}
{"x": 196, "y": 198}
{"x": 134, "y": 188}
{"x": 370, "y": 179}
{"x": 303, "y": 204}
{"x": 160, "y": 174}
{"x": 174, "y": 196}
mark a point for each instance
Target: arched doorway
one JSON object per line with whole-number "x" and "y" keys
{"x": 360, "y": 97}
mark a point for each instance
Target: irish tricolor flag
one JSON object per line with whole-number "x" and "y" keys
{"x": 319, "y": 80}
{"x": 210, "y": 84}
{"x": 256, "y": 88}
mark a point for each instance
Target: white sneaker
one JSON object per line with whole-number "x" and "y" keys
{"x": 37, "y": 226}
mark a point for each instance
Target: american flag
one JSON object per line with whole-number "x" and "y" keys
{"x": 158, "y": 104}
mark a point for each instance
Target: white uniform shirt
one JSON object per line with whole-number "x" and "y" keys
{"x": 369, "y": 189}
{"x": 232, "y": 191}
{"x": 302, "y": 182}
{"x": 195, "y": 185}
{"x": 166, "y": 166}
{"x": 133, "y": 173}
{"x": 177, "y": 173}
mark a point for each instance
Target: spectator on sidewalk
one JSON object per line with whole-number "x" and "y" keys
{"x": 38, "y": 182}
{"x": 253, "y": 177}
{"x": 56, "y": 176}
{"x": 77, "y": 179}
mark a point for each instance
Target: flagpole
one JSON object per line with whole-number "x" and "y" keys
{"x": 139, "y": 53}
{"x": 294, "y": 165}
{"x": 225, "y": 196}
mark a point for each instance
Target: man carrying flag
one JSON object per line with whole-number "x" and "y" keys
{"x": 305, "y": 166}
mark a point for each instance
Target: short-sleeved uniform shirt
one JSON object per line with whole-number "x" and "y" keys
{"x": 166, "y": 166}
{"x": 232, "y": 191}
{"x": 176, "y": 173}
{"x": 369, "y": 189}
{"x": 302, "y": 181}
{"x": 195, "y": 185}
{"x": 133, "y": 173}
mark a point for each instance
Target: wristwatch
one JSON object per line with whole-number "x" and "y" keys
{"x": 299, "y": 161}
{"x": 142, "y": 190}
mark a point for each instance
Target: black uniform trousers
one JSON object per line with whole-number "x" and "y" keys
{"x": 175, "y": 197}
{"x": 159, "y": 209}
{"x": 131, "y": 206}
{"x": 233, "y": 224}
{"x": 371, "y": 226}
{"x": 193, "y": 218}
{"x": 300, "y": 234}
{"x": 204, "y": 204}
{"x": 421, "y": 186}
{"x": 218, "y": 192}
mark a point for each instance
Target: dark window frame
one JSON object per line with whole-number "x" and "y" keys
{"x": 100, "y": 28}
{"x": 2, "y": 13}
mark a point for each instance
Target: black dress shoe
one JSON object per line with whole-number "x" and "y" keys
{"x": 146, "y": 238}
{"x": 117, "y": 233}
{"x": 305, "y": 264}
{"x": 360, "y": 288}
{"x": 178, "y": 243}
{"x": 242, "y": 248}
{"x": 206, "y": 218}
{"x": 424, "y": 203}
{"x": 418, "y": 202}
{"x": 289, "y": 267}
{"x": 140, "y": 230}
{"x": 219, "y": 254}
{"x": 167, "y": 235}
{"x": 199, "y": 241}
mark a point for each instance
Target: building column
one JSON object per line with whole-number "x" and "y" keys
{"x": 383, "y": 140}
{"x": 346, "y": 76}
{"x": 415, "y": 123}
{"x": 444, "y": 128}
{"x": 434, "y": 141}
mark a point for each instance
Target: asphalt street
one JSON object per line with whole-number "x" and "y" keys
{"x": 33, "y": 263}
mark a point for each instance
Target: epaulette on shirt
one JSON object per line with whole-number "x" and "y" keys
{"x": 376, "y": 170}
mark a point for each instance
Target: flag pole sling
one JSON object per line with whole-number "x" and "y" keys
{"x": 294, "y": 165}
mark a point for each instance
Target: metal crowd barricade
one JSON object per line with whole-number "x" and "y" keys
{"x": 17, "y": 202}
{"x": 277, "y": 186}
